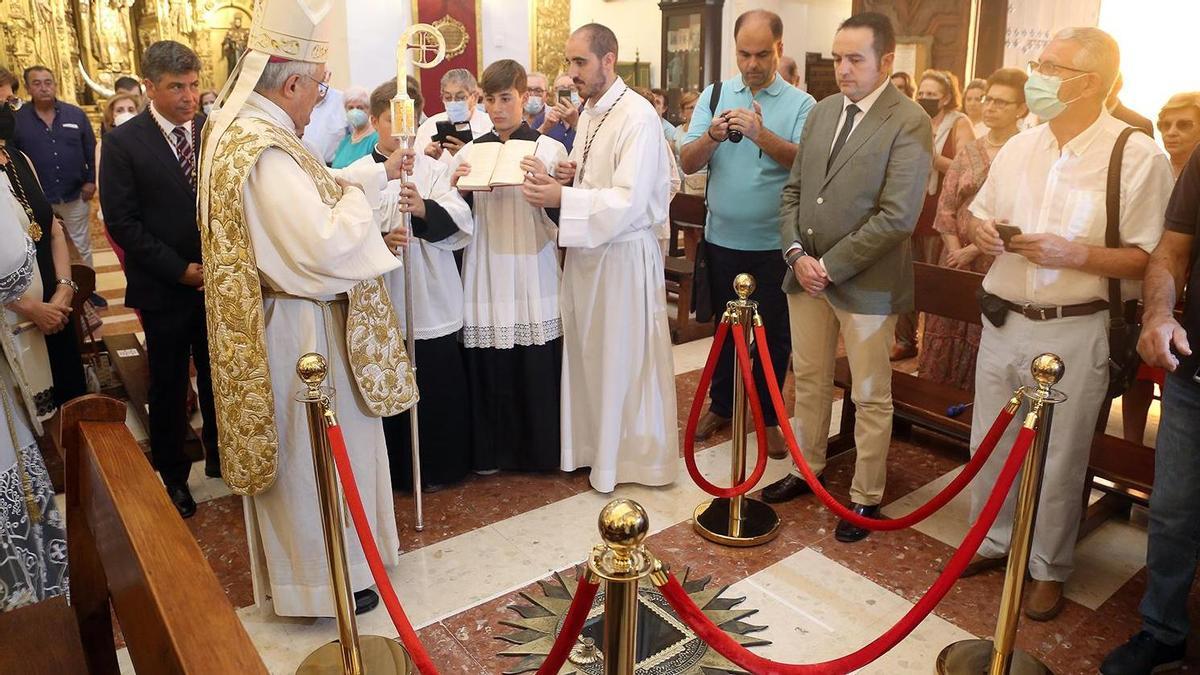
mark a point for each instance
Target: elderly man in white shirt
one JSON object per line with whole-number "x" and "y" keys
{"x": 327, "y": 126}
{"x": 1049, "y": 285}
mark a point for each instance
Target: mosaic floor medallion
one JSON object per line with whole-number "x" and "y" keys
{"x": 665, "y": 645}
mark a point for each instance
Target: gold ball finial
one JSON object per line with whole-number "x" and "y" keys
{"x": 623, "y": 524}
{"x": 1047, "y": 369}
{"x": 312, "y": 369}
{"x": 744, "y": 285}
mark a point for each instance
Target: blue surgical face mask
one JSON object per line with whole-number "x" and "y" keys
{"x": 357, "y": 118}
{"x": 534, "y": 105}
{"x": 1041, "y": 95}
{"x": 458, "y": 111}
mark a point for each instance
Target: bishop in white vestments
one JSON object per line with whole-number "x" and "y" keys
{"x": 293, "y": 259}
{"x": 618, "y": 398}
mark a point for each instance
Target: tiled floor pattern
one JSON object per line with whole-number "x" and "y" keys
{"x": 492, "y": 537}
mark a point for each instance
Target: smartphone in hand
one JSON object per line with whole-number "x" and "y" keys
{"x": 1007, "y": 232}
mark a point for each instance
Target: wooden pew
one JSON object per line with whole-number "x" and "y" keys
{"x": 126, "y": 546}
{"x": 687, "y": 217}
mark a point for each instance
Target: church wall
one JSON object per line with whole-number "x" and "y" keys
{"x": 637, "y": 23}
{"x": 808, "y": 26}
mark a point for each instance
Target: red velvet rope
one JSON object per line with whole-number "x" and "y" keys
{"x": 689, "y": 433}
{"x": 576, "y": 617}
{"x": 749, "y": 661}
{"x": 908, "y": 520}
{"x": 366, "y": 538}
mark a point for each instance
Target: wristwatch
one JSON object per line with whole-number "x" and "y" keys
{"x": 67, "y": 282}
{"x": 796, "y": 254}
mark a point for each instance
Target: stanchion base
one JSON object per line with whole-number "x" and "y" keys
{"x": 759, "y": 525}
{"x": 973, "y": 657}
{"x": 380, "y": 656}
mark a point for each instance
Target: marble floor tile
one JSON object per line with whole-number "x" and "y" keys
{"x": 110, "y": 281}
{"x": 817, "y": 610}
{"x": 104, "y": 258}
{"x": 692, "y": 355}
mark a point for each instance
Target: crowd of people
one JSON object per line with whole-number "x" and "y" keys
{"x": 539, "y": 308}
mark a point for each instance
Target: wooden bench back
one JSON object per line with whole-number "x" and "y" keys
{"x": 127, "y": 544}
{"x": 947, "y": 292}
{"x": 687, "y": 212}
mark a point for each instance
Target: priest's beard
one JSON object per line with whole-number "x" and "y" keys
{"x": 591, "y": 87}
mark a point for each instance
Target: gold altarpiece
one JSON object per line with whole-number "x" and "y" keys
{"x": 90, "y": 43}
{"x": 550, "y": 26}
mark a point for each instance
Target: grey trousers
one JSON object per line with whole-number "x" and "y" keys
{"x": 1005, "y": 354}
{"x": 76, "y": 217}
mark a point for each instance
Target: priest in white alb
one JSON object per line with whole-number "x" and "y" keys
{"x": 292, "y": 260}
{"x": 618, "y": 387}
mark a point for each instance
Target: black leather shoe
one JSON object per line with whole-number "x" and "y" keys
{"x": 365, "y": 601}
{"x": 181, "y": 497}
{"x": 848, "y": 533}
{"x": 786, "y": 489}
{"x": 1143, "y": 655}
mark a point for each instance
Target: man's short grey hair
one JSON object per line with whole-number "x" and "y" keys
{"x": 1098, "y": 53}
{"x": 275, "y": 74}
{"x": 462, "y": 77}
{"x": 167, "y": 57}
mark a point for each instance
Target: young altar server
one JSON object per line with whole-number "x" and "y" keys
{"x": 618, "y": 406}
{"x": 512, "y": 329}
{"x": 441, "y": 224}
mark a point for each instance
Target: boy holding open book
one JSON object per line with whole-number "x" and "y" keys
{"x": 440, "y": 225}
{"x": 512, "y": 329}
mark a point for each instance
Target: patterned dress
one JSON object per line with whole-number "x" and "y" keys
{"x": 949, "y": 347}
{"x": 33, "y": 555}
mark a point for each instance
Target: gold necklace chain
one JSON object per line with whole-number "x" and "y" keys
{"x": 18, "y": 191}
{"x": 31, "y": 503}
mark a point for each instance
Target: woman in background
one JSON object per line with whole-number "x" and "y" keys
{"x": 362, "y": 137}
{"x": 949, "y": 347}
{"x": 973, "y": 106}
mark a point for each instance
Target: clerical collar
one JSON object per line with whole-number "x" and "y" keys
{"x": 378, "y": 156}
{"x": 521, "y": 133}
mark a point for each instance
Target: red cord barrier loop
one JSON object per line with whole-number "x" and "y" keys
{"x": 689, "y": 433}
{"x": 576, "y": 617}
{"x": 366, "y": 538}
{"x": 878, "y": 524}
{"x": 751, "y": 662}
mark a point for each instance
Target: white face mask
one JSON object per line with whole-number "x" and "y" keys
{"x": 122, "y": 118}
{"x": 208, "y": 108}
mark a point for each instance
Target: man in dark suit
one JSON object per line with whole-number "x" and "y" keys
{"x": 148, "y": 192}
{"x": 848, "y": 210}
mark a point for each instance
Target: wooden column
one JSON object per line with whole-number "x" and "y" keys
{"x": 947, "y": 22}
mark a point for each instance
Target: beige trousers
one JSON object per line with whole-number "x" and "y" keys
{"x": 816, "y": 325}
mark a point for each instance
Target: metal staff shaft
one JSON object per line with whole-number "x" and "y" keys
{"x": 410, "y": 339}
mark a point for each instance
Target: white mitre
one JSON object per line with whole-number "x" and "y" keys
{"x": 281, "y": 30}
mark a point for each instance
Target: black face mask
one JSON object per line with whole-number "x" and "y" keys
{"x": 8, "y": 122}
{"x": 932, "y": 106}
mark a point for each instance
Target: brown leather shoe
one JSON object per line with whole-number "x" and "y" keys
{"x": 980, "y": 564}
{"x": 1044, "y": 600}
{"x": 776, "y": 445}
{"x": 901, "y": 352}
{"x": 710, "y": 424}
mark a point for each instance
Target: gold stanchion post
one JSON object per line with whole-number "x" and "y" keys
{"x": 1000, "y": 656}
{"x": 738, "y": 521}
{"x": 350, "y": 654}
{"x": 622, "y": 562}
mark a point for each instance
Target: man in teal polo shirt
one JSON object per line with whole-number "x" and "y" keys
{"x": 745, "y": 180}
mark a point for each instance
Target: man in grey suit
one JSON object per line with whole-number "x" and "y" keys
{"x": 849, "y": 208}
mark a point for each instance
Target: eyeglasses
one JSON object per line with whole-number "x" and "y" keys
{"x": 537, "y": 91}
{"x": 991, "y": 100}
{"x": 460, "y": 97}
{"x": 322, "y": 85}
{"x": 1051, "y": 69}
{"x": 1184, "y": 126}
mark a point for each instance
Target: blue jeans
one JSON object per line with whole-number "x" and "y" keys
{"x": 1174, "y": 542}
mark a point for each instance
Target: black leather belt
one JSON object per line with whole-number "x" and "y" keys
{"x": 1044, "y": 313}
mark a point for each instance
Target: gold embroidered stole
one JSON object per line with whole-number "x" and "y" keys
{"x": 247, "y": 435}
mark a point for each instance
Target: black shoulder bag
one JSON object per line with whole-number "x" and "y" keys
{"x": 702, "y": 303}
{"x": 1124, "y": 325}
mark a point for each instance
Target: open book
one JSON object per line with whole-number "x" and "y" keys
{"x": 496, "y": 164}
